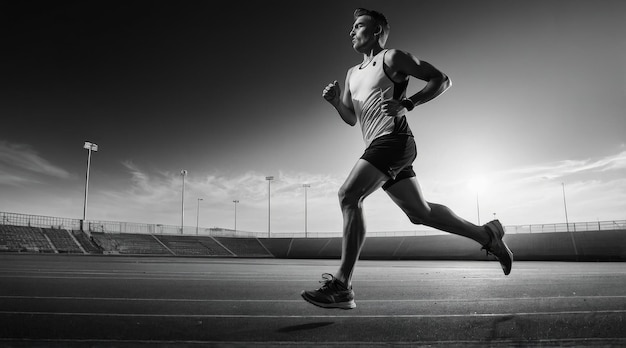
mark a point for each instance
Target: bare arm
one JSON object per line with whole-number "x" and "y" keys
{"x": 341, "y": 101}
{"x": 402, "y": 65}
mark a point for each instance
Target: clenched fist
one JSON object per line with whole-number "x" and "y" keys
{"x": 332, "y": 93}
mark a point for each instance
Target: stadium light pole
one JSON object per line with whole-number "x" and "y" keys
{"x": 183, "y": 173}
{"x": 198, "y": 216}
{"x": 571, "y": 234}
{"x": 565, "y": 206}
{"x": 236, "y": 201}
{"x": 477, "y": 208}
{"x": 477, "y": 184}
{"x": 306, "y": 186}
{"x": 269, "y": 209}
{"x": 90, "y": 147}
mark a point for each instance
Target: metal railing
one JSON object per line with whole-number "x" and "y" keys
{"x": 17, "y": 219}
{"x": 571, "y": 227}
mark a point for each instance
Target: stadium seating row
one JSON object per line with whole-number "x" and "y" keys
{"x": 20, "y": 238}
{"x": 63, "y": 241}
{"x": 179, "y": 245}
{"x": 50, "y": 240}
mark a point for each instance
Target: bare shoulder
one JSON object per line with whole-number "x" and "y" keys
{"x": 399, "y": 57}
{"x": 405, "y": 63}
{"x": 399, "y": 64}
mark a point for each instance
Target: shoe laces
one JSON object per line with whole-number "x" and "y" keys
{"x": 330, "y": 282}
{"x": 327, "y": 279}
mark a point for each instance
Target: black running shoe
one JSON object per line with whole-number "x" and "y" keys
{"x": 332, "y": 294}
{"x": 497, "y": 247}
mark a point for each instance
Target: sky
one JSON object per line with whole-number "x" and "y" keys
{"x": 231, "y": 92}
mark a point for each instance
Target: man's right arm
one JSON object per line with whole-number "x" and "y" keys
{"x": 341, "y": 101}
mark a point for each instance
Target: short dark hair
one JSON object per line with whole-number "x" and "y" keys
{"x": 377, "y": 16}
{"x": 379, "y": 19}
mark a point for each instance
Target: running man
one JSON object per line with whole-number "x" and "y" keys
{"x": 374, "y": 95}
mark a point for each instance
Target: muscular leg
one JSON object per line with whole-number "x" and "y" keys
{"x": 408, "y": 196}
{"x": 362, "y": 181}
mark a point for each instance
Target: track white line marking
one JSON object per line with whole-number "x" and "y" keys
{"x": 125, "y": 277}
{"x": 508, "y": 342}
{"x": 362, "y": 316}
{"x": 495, "y": 299}
{"x": 582, "y": 341}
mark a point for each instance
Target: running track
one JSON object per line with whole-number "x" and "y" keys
{"x": 87, "y": 301}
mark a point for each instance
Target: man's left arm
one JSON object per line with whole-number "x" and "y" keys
{"x": 402, "y": 65}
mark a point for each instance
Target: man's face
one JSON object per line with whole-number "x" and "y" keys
{"x": 362, "y": 34}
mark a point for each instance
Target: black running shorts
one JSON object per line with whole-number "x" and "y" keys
{"x": 393, "y": 155}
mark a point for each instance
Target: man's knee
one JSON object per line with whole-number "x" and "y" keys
{"x": 420, "y": 216}
{"x": 349, "y": 197}
{"x": 415, "y": 220}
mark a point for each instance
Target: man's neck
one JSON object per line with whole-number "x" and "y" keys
{"x": 369, "y": 54}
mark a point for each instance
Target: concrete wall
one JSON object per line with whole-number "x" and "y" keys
{"x": 581, "y": 246}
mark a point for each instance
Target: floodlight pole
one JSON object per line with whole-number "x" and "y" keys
{"x": 198, "y": 216}
{"x": 269, "y": 210}
{"x": 90, "y": 147}
{"x": 565, "y": 206}
{"x": 567, "y": 224}
{"x": 236, "y": 201}
{"x": 306, "y": 186}
{"x": 183, "y": 173}
{"x": 477, "y": 208}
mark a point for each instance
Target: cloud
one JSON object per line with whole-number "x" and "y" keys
{"x": 13, "y": 180}
{"x": 615, "y": 162}
{"x": 155, "y": 197}
{"x": 542, "y": 175}
{"x": 20, "y": 164}
{"x": 146, "y": 188}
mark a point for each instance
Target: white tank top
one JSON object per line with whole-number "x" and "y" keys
{"x": 368, "y": 87}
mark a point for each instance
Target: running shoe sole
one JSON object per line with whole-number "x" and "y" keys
{"x": 341, "y": 305}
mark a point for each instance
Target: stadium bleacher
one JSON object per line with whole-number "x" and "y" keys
{"x": 86, "y": 243}
{"x": 63, "y": 241}
{"x": 244, "y": 247}
{"x": 23, "y": 238}
{"x": 193, "y": 246}
{"x": 128, "y": 243}
{"x": 53, "y": 240}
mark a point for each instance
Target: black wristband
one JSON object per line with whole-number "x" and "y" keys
{"x": 408, "y": 104}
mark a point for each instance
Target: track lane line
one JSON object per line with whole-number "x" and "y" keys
{"x": 494, "y": 299}
{"x": 359, "y": 316}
